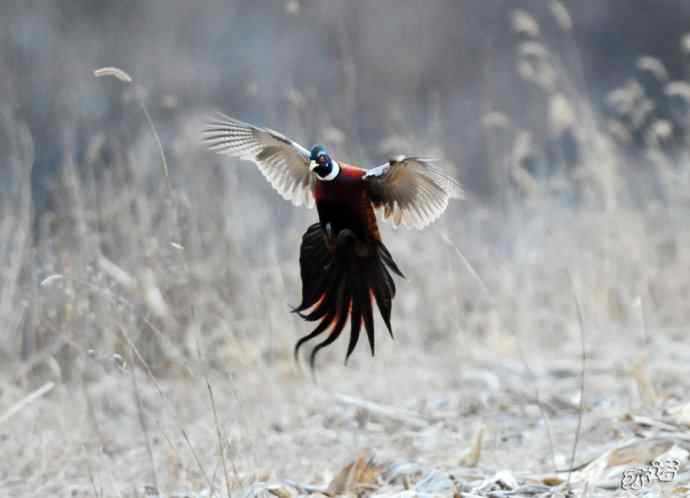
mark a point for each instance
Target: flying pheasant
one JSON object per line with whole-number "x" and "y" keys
{"x": 344, "y": 265}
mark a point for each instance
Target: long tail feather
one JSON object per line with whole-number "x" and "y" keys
{"x": 314, "y": 257}
{"x": 331, "y": 337}
{"x": 383, "y": 293}
{"x": 355, "y": 325}
{"x": 342, "y": 280}
{"x": 317, "y": 331}
{"x": 328, "y": 300}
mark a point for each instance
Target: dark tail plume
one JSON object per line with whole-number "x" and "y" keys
{"x": 341, "y": 278}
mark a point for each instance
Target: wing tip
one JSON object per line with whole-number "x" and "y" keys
{"x": 456, "y": 190}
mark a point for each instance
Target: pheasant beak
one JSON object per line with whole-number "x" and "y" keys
{"x": 313, "y": 165}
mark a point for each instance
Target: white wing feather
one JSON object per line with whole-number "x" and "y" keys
{"x": 411, "y": 191}
{"x": 283, "y": 162}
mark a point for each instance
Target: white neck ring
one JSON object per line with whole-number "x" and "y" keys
{"x": 334, "y": 172}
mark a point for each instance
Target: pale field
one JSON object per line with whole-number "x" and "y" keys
{"x": 147, "y": 340}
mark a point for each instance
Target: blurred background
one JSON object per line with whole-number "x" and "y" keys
{"x": 141, "y": 271}
{"x": 362, "y": 71}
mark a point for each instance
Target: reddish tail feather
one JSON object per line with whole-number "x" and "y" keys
{"x": 340, "y": 280}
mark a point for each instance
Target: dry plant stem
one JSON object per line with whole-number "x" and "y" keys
{"x": 641, "y": 368}
{"x": 91, "y": 477}
{"x": 166, "y": 173}
{"x": 199, "y": 464}
{"x": 123, "y": 76}
{"x": 159, "y": 389}
{"x": 388, "y": 412}
{"x": 39, "y": 357}
{"x": 581, "y": 324}
{"x": 110, "y": 465}
{"x": 469, "y": 267}
{"x": 221, "y": 442}
{"x": 92, "y": 413}
{"x": 119, "y": 299}
{"x": 542, "y": 411}
{"x": 24, "y": 402}
{"x": 15, "y": 224}
{"x": 165, "y": 398}
{"x": 523, "y": 358}
{"x": 142, "y": 421}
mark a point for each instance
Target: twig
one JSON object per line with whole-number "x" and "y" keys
{"x": 23, "y": 403}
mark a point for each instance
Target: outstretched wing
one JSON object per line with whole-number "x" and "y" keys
{"x": 411, "y": 191}
{"x": 283, "y": 162}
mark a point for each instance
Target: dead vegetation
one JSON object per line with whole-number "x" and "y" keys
{"x": 146, "y": 341}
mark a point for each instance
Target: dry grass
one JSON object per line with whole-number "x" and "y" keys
{"x": 146, "y": 340}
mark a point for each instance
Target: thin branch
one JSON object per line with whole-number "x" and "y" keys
{"x": 24, "y": 402}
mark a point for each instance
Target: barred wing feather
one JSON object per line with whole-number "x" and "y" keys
{"x": 283, "y": 162}
{"x": 412, "y": 192}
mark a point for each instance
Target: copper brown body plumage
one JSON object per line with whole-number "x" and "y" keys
{"x": 344, "y": 265}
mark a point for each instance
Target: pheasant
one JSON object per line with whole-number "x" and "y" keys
{"x": 344, "y": 265}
